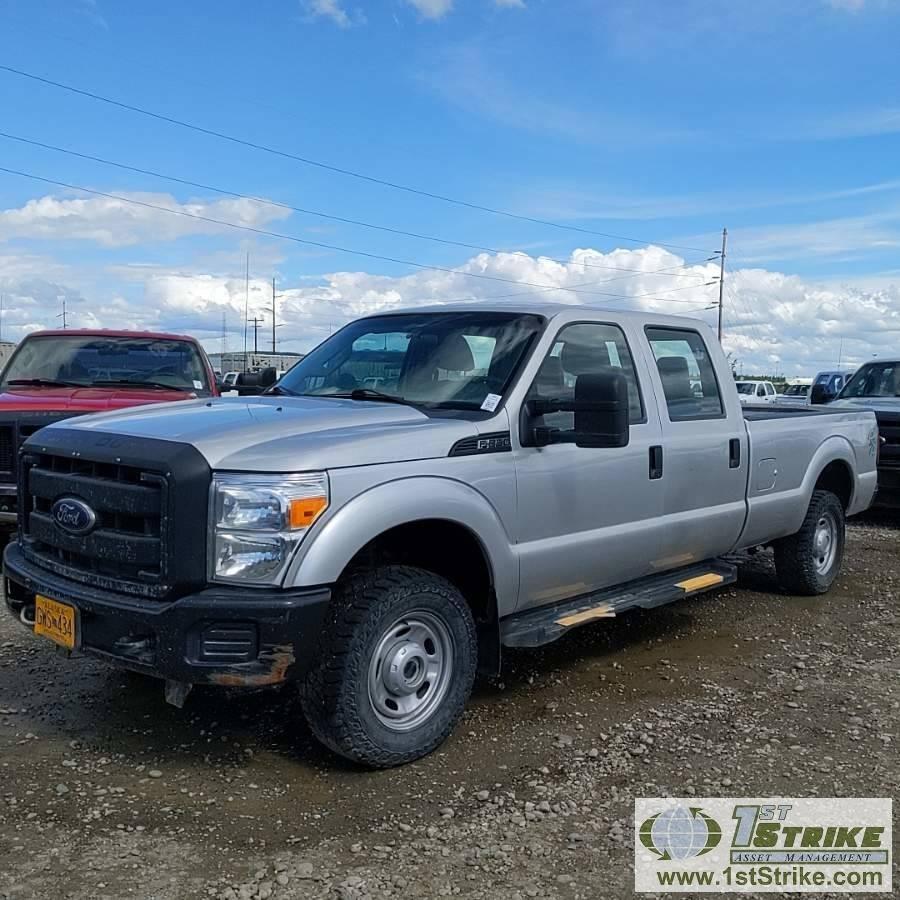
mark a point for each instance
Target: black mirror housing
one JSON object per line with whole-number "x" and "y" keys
{"x": 819, "y": 393}
{"x": 268, "y": 377}
{"x": 601, "y": 410}
{"x": 601, "y": 414}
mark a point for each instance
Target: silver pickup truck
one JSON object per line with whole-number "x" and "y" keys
{"x": 422, "y": 490}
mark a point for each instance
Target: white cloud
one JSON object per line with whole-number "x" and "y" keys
{"x": 334, "y": 10}
{"x": 117, "y": 223}
{"x": 432, "y": 9}
{"x": 772, "y": 320}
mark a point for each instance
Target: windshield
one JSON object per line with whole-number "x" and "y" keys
{"x": 796, "y": 390}
{"x": 745, "y": 387}
{"x": 457, "y": 360}
{"x": 91, "y": 360}
{"x": 874, "y": 380}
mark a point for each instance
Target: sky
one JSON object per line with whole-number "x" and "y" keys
{"x": 593, "y": 151}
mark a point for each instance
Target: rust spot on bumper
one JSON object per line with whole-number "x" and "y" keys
{"x": 271, "y": 668}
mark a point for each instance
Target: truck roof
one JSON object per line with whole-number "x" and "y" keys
{"x": 111, "y": 332}
{"x": 540, "y": 308}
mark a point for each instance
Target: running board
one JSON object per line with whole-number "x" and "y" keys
{"x": 535, "y": 627}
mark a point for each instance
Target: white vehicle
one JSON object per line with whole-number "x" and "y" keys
{"x": 230, "y": 379}
{"x": 796, "y": 393}
{"x": 756, "y": 393}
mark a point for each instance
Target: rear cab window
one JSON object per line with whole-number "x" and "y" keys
{"x": 687, "y": 374}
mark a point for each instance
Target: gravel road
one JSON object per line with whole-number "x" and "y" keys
{"x": 107, "y": 792}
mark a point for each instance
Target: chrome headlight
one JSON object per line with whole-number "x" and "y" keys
{"x": 259, "y": 520}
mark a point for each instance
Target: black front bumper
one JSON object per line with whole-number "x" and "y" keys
{"x": 230, "y": 636}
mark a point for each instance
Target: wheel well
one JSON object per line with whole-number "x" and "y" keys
{"x": 453, "y": 551}
{"x": 836, "y": 478}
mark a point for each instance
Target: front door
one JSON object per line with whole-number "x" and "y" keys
{"x": 588, "y": 517}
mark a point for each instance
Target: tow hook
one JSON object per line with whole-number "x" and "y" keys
{"x": 177, "y": 691}
{"x": 24, "y": 613}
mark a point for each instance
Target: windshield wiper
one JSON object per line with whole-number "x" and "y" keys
{"x": 46, "y": 382}
{"x": 127, "y": 382}
{"x": 371, "y": 394}
{"x": 277, "y": 389}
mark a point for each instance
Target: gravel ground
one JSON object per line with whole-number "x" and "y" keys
{"x": 107, "y": 792}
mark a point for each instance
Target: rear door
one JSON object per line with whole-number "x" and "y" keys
{"x": 704, "y": 448}
{"x": 588, "y": 517}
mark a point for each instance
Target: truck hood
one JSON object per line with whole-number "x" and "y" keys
{"x": 86, "y": 399}
{"x": 289, "y": 434}
{"x": 876, "y": 404}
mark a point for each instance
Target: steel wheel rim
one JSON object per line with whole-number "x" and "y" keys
{"x": 410, "y": 670}
{"x": 825, "y": 543}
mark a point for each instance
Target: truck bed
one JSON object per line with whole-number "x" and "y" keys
{"x": 763, "y": 413}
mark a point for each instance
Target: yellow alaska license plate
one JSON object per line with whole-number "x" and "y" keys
{"x": 54, "y": 620}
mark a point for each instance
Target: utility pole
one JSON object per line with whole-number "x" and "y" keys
{"x": 246, "y": 305}
{"x": 1, "y": 317}
{"x": 62, "y": 315}
{"x": 224, "y": 337}
{"x": 273, "y": 315}
{"x": 722, "y": 279}
{"x": 256, "y": 321}
{"x": 840, "y": 352}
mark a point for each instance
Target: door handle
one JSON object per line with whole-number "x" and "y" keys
{"x": 656, "y": 462}
{"x": 734, "y": 453}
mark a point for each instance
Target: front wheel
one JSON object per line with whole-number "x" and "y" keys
{"x": 808, "y": 562}
{"x": 395, "y": 668}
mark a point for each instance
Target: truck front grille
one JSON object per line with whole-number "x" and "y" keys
{"x": 889, "y": 429}
{"x": 126, "y": 548}
{"x": 7, "y": 449}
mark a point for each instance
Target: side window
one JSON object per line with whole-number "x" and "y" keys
{"x": 580, "y": 350}
{"x": 687, "y": 374}
{"x": 770, "y": 389}
{"x": 761, "y": 391}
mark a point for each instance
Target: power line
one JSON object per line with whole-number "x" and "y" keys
{"x": 274, "y": 151}
{"x": 306, "y": 242}
{"x": 299, "y": 209}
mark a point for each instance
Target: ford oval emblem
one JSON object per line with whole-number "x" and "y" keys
{"x": 74, "y": 516}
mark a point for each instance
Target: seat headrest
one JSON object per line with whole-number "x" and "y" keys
{"x": 550, "y": 379}
{"x": 578, "y": 359}
{"x": 453, "y": 354}
{"x": 676, "y": 377}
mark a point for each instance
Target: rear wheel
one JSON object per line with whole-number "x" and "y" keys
{"x": 808, "y": 562}
{"x": 395, "y": 667}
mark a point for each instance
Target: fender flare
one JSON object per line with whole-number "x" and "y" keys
{"x": 833, "y": 449}
{"x": 329, "y": 549}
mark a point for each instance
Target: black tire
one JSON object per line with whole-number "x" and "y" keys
{"x": 344, "y": 711}
{"x": 800, "y": 564}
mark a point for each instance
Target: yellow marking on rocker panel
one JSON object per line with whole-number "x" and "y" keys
{"x": 700, "y": 582}
{"x": 598, "y": 612}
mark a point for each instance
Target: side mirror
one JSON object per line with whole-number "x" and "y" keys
{"x": 601, "y": 414}
{"x": 268, "y": 377}
{"x": 819, "y": 393}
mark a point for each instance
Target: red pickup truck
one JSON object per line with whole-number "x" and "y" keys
{"x": 53, "y": 375}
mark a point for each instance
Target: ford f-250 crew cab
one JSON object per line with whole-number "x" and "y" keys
{"x": 423, "y": 489}
{"x": 53, "y": 375}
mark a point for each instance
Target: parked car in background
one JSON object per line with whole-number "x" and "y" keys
{"x": 516, "y": 474}
{"x": 229, "y": 379}
{"x": 53, "y": 375}
{"x": 876, "y": 386}
{"x": 827, "y": 385}
{"x": 756, "y": 393}
{"x": 796, "y": 393}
